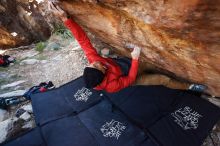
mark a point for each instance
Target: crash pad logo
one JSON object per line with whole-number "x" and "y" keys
{"x": 187, "y": 118}
{"x": 112, "y": 129}
{"x": 82, "y": 94}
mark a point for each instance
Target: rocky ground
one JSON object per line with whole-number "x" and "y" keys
{"x": 61, "y": 61}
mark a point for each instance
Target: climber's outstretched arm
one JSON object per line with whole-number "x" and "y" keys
{"x": 77, "y": 32}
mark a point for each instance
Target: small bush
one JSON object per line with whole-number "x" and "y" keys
{"x": 40, "y": 46}
{"x": 61, "y": 30}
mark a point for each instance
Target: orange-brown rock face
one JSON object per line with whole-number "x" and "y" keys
{"x": 22, "y": 22}
{"x": 6, "y": 39}
{"x": 182, "y": 37}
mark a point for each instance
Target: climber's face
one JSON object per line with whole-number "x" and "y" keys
{"x": 98, "y": 65}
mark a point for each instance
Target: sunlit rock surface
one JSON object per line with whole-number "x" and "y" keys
{"x": 23, "y": 22}
{"x": 181, "y": 37}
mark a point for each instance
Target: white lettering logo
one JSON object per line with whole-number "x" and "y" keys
{"x": 82, "y": 94}
{"x": 112, "y": 129}
{"x": 187, "y": 118}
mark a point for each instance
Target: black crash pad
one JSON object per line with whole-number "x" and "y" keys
{"x": 135, "y": 116}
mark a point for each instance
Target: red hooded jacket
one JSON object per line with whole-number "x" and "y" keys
{"x": 113, "y": 80}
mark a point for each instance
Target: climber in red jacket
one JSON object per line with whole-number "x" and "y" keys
{"x": 102, "y": 73}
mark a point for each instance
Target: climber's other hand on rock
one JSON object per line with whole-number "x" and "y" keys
{"x": 136, "y": 53}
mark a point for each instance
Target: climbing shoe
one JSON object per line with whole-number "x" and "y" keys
{"x": 197, "y": 87}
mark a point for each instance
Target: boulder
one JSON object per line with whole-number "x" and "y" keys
{"x": 13, "y": 93}
{"x": 181, "y": 38}
{"x": 29, "y": 61}
{"x": 16, "y": 83}
{"x": 23, "y": 22}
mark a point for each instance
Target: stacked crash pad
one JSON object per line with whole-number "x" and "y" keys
{"x": 136, "y": 116}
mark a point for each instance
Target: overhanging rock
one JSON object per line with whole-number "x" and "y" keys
{"x": 181, "y": 37}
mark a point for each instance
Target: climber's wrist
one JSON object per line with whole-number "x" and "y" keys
{"x": 65, "y": 18}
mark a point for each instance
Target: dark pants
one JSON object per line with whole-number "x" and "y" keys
{"x": 124, "y": 63}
